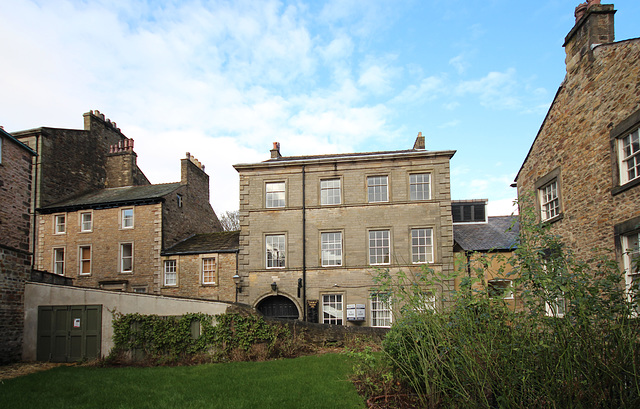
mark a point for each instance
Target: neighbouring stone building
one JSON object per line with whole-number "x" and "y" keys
{"x": 15, "y": 255}
{"x": 583, "y": 168}
{"x": 485, "y": 243}
{"x": 315, "y": 229}
{"x": 202, "y": 266}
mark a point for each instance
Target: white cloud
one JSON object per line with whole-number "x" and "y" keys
{"x": 495, "y": 90}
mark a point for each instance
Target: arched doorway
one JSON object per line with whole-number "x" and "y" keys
{"x": 278, "y": 306}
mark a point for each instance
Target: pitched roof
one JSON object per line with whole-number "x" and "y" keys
{"x": 220, "y": 242}
{"x": 114, "y": 197}
{"x": 17, "y": 142}
{"x": 499, "y": 233}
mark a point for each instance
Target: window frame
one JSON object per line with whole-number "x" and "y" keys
{"x": 57, "y": 223}
{"x": 82, "y": 222}
{"x": 633, "y": 156}
{"x": 625, "y": 128}
{"x": 372, "y": 186}
{"x": 325, "y": 262}
{"x": 212, "y": 277}
{"x": 165, "y": 273}
{"x": 122, "y": 257}
{"x": 82, "y": 259}
{"x": 56, "y": 262}
{"x": 270, "y": 203}
{"x": 384, "y": 307}
{"x": 388, "y": 247}
{"x": 417, "y": 184}
{"x": 326, "y": 305}
{"x": 283, "y": 257}
{"x": 124, "y": 219}
{"x": 430, "y": 256}
{"x": 553, "y": 177}
{"x": 630, "y": 255}
{"x": 506, "y": 293}
{"x": 331, "y": 189}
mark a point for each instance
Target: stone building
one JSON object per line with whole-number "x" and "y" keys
{"x": 202, "y": 266}
{"x": 583, "y": 168}
{"x": 485, "y": 243}
{"x": 316, "y": 229}
{"x": 15, "y": 255}
{"x": 112, "y": 238}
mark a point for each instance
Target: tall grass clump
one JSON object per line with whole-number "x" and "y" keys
{"x": 571, "y": 343}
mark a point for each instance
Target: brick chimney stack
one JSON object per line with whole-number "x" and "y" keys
{"x": 275, "y": 152}
{"x": 419, "y": 143}
{"x": 594, "y": 26}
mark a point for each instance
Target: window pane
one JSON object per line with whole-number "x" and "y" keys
{"x": 275, "y": 194}
{"x": 331, "y": 249}
{"x": 379, "y": 247}
{"x": 126, "y": 254}
{"x": 86, "y": 222}
{"x": 377, "y": 189}
{"x": 58, "y": 261}
{"x": 275, "y": 251}
{"x": 85, "y": 260}
{"x": 127, "y": 218}
{"x": 60, "y": 224}
{"x": 421, "y": 246}
{"x": 170, "y": 276}
{"x": 380, "y": 310}
{"x": 330, "y": 192}
{"x": 420, "y": 186}
{"x": 208, "y": 270}
{"x": 549, "y": 202}
{"x": 332, "y": 309}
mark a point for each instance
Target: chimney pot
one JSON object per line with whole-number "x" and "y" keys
{"x": 275, "y": 152}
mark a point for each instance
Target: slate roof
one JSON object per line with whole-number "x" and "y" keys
{"x": 114, "y": 197}
{"x": 500, "y": 233}
{"x": 221, "y": 242}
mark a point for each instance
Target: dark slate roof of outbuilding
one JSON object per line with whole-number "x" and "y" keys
{"x": 499, "y": 233}
{"x": 114, "y": 197}
{"x": 220, "y": 242}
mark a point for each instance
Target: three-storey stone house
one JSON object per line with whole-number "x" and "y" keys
{"x": 316, "y": 229}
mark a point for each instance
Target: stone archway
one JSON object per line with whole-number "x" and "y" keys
{"x": 278, "y": 306}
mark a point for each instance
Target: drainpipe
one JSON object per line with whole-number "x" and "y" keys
{"x": 304, "y": 249}
{"x": 35, "y": 191}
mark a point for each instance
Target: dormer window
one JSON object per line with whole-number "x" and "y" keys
{"x": 469, "y": 211}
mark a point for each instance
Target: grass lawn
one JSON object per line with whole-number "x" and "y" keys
{"x": 306, "y": 382}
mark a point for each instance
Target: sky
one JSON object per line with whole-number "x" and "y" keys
{"x": 223, "y": 80}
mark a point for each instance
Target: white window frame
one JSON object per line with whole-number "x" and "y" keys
{"x": 82, "y": 259}
{"x": 507, "y": 291}
{"x": 330, "y": 192}
{"x": 381, "y": 314}
{"x": 86, "y": 226}
{"x": 210, "y": 273}
{"x": 275, "y": 257}
{"x": 378, "y": 189}
{"x": 549, "y": 200}
{"x": 629, "y": 157}
{"x": 420, "y": 186}
{"x": 59, "y": 227}
{"x": 275, "y": 194}
{"x": 170, "y": 268}
{"x": 126, "y": 221}
{"x": 333, "y": 309}
{"x": 379, "y": 247}
{"x": 556, "y": 308}
{"x": 630, "y": 254}
{"x": 421, "y": 245}
{"x": 331, "y": 248}
{"x": 58, "y": 265}
{"x": 123, "y": 258}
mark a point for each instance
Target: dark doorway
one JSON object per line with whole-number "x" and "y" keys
{"x": 69, "y": 333}
{"x": 278, "y": 306}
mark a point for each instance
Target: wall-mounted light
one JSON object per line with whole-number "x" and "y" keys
{"x": 238, "y": 281}
{"x": 274, "y": 286}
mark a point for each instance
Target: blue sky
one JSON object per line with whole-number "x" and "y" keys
{"x": 225, "y": 79}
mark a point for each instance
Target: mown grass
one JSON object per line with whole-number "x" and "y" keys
{"x": 307, "y": 382}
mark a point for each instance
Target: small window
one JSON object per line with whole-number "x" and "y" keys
{"x": 380, "y": 310}
{"x": 379, "y": 247}
{"x": 422, "y": 246}
{"x": 556, "y": 307}
{"x": 378, "y": 189}
{"x": 58, "y": 261}
{"x": 332, "y": 309}
{"x": 549, "y": 200}
{"x": 275, "y": 194}
{"x": 85, "y": 260}
{"x": 420, "y": 186}
{"x": 469, "y": 212}
{"x": 60, "y": 224}
{"x": 86, "y": 222}
{"x": 179, "y": 200}
{"x": 170, "y": 273}
{"x": 631, "y": 259}
{"x": 331, "y": 244}
{"x": 275, "y": 250}
{"x": 126, "y": 257}
{"x": 500, "y": 288}
{"x": 127, "y": 218}
{"x": 140, "y": 290}
{"x": 208, "y": 270}
{"x": 330, "y": 192}
{"x": 629, "y": 157}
